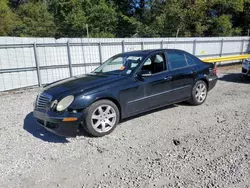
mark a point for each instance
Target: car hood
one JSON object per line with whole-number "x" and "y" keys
{"x": 80, "y": 83}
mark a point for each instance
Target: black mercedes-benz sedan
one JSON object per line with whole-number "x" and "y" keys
{"x": 125, "y": 85}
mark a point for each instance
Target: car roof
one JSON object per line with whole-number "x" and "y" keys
{"x": 147, "y": 52}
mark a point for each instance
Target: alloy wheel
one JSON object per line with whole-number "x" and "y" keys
{"x": 201, "y": 92}
{"x": 103, "y": 118}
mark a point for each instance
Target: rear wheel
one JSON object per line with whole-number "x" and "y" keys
{"x": 101, "y": 118}
{"x": 199, "y": 93}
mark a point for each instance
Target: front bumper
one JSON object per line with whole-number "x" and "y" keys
{"x": 53, "y": 122}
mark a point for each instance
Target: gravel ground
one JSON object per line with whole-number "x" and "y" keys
{"x": 177, "y": 146}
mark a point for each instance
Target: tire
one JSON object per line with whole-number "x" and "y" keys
{"x": 101, "y": 118}
{"x": 199, "y": 93}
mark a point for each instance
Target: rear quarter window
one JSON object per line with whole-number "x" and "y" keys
{"x": 190, "y": 60}
{"x": 195, "y": 59}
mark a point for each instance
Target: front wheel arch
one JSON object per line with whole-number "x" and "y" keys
{"x": 101, "y": 118}
{"x": 112, "y": 100}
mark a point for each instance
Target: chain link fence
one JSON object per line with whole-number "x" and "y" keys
{"x": 36, "y": 61}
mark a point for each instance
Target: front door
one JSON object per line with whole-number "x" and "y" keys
{"x": 158, "y": 85}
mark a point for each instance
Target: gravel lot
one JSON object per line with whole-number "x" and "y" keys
{"x": 178, "y": 146}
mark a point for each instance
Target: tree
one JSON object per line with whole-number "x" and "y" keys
{"x": 125, "y": 7}
{"x": 195, "y": 17}
{"x": 70, "y": 17}
{"x": 102, "y": 20}
{"x": 127, "y": 23}
{"x": 16, "y": 3}
{"x": 244, "y": 18}
{"x": 124, "y": 18}
{"x": 34, "y": 20}
{"x": 162, "y": 18}
{"x": 222, "y": 26}
{"x": 226, "y": 17}
{"x": 7, "y": 18}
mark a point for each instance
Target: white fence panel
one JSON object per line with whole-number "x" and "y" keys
{"x": 55, "y": 59}
{"x": 232, "y": 47}
{"x": 15, "y": 80}
{"x": 133, "y": 47}
{"x": 110, "y": 50}
{"x": 51, "y": 75}
{"x": 209, "y": 48}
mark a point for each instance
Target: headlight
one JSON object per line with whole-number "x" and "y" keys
{"x": 64, "y": 103}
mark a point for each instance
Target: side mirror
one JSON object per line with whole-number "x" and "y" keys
{"x": 145, "y": 73}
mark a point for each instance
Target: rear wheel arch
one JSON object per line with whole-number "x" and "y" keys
{"x": 206, "y": 81}
{"x": 202, "y": 78}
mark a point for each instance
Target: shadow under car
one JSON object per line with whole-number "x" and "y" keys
{"x": 31, "y": 126}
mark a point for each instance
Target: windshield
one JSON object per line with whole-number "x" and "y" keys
{"x": 120, "y": 64}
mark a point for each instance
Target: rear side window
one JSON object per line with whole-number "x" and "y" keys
{"x": 177, "y": 60}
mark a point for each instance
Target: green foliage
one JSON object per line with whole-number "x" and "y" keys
{"x": 127, "y": 26}
{"x": 195, "y": 22}
{"x": 34, "y": 20}
{"x": 222, "y": 26}
{"x": 69, "y": 17}
{"x": 7, "y": 18}
{"x": 124, "y": 18}
{"x": 170, "y": 19}
{"x": 102, "y": 20}
{"x": 224, "y": 6}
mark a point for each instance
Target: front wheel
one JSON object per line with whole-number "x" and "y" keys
{"x": 199, "y": 93}
{"x": 101, "y": 118}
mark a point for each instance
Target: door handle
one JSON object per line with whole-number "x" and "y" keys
{"x": 168, "y": 78}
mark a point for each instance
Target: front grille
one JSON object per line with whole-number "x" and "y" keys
{"x": 43, "y": 101}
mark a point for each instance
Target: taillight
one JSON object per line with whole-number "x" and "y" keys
{"x": 214, "y": 71}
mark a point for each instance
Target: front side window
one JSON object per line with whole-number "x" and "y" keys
{"x": 120, "y": 65}
{"x": 177, "y": 60}
{"x": 155, "y": 63}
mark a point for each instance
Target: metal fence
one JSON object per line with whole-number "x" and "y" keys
{"x": 37, "y": 61}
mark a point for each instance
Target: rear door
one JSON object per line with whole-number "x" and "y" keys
{"x": 183, "y": 71}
